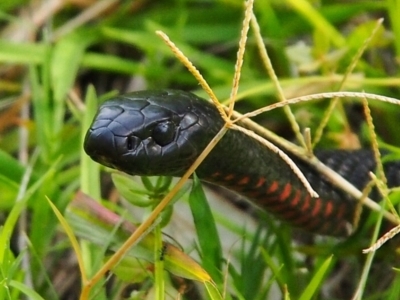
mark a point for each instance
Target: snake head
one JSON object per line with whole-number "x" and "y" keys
{"x": 151, "y": 132}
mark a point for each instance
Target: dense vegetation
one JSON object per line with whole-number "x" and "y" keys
{"x": 60, "y": 59}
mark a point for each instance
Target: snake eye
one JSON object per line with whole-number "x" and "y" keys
{"x": 164, "y": 133}
{"x": 132, "y": 142}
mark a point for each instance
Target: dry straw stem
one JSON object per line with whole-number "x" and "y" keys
{"x": 320, "y": 96}
{"x": 192, "y": 69}
{"x": 374, "y": 142}
{"x": 386, "y": 237}
{"x": 360, "y": 204}
{"x": 307, "y": 139}
{"x": 271, "y": 72}
{"x": 335, "y": 101}
{"x": 380, "y": 180}
{"x": 240, "y": 54}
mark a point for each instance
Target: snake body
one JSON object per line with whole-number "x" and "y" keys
{"x": 161, "y": 133}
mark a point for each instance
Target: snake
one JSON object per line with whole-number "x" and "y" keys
{"x": 162, "y": 132}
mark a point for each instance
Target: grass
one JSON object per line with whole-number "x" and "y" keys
{"x": 52, "y": 59}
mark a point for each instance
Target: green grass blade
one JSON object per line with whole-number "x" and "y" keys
{"x": 90, "y": 170}
{"x": 209, "y": 241}
{"x": 212, "y": 291}
{"x": 111, "y": 64}
{"x": 30, "y": 293}
{"x": 22, "y": 53}
{"x": 17, "y": 209}
{"x": 159, "y": 254}
{"x": 317, "y": 280}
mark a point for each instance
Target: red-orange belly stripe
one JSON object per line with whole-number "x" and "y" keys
{"x": 286, "y": 192}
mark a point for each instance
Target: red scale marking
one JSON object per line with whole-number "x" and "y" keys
{"x": 279, "y": 206}
{"x": 229, "y": 177}
{"x": 289, "y": 209}
{"x": 305, "y": 216}
{"x": 216, "y": 174}
{"x": 296, "y": 200}
{"x": 273, "y": 187}
{"x": 341, "y": 212}
{"x": 337, "y": 227}
{"x": 285, "y": 209}
{"x": 328, "y": 208}
{"x": 286, "y": 192}
{"x": 260, "y": 182}
{"x": 244, "y": 180}
{"x": 306, "y": 204}
{"x": 317, "y": 207}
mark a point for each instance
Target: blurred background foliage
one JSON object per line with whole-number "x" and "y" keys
{"x": 55, "y": 53}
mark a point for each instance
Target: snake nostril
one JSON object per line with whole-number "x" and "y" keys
{"x": 132, "y": 142}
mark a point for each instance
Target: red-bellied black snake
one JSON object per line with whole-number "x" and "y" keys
{"x": 162, "y": 133}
